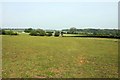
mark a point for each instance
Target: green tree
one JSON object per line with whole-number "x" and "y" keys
{"x": 62, "y": 33}
{"x": 9, "y": 32}
{"x": 3, "y": 32}
{"x": 41, "y": 32}
{"x": 72, "y": 30}
{"x": 33, "y": 33}
{"x": 28, "y": 30}
{"x": 57, "y": 33}
{"x": 38, "y": 32}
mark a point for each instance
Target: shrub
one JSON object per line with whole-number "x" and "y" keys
{"x": 48, "y": 34}
{"x": 57, "y": 33}
{"x": 38, "y": 32}
{"x": 33, "y": 33}
{"x": 41, "y": 32}
{"x": 14, "y": 33}
{"x": 28, "y": 30}
{"x": 9, "y": 32}
{"x": 62, "y": 33}
{"x": 2, "y": 31}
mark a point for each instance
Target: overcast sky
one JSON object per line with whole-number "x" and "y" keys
{"x": 59, "y": 15}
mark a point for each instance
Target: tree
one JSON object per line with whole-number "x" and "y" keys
{"x": 3, "y": 32}
{"x": 41, "y": 32}
{"x": 28, "y": 30}
{"x": 33, "y": 33}
{"x": 57, "y": 33}
{"x": 62, "y": 33}
{"x": 72, "y": 30}
{"x": 38, "y": 32}
{"x": 9, "y": 32}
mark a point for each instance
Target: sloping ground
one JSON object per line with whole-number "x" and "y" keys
{"x": 41, "y": 57}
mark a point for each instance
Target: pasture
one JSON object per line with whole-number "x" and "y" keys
{"x": 25, "y": 56}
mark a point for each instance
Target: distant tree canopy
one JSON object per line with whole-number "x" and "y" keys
{"x": 115, "y": 33}
{"x": 94, "y": 32}
{"x": 38, "y": 32}
{"x": 28, "y": 30}
{"x": 72, "y": 30}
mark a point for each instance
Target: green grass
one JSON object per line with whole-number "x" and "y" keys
{"x": 43, "y": 57}
{"x": 73, "y": 35}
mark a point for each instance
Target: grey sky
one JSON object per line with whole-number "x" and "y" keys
{"x": 59, "y": 15}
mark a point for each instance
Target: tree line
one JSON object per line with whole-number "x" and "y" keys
{"x": 93, "y": 32}
{"x": 72, "y": 30}
{"x": 32, "y": 32}
{"x": 41, "y": 32}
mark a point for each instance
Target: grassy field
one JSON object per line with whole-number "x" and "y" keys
{"x": 73, "y": 35}
{"x": 66, "y": 57}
